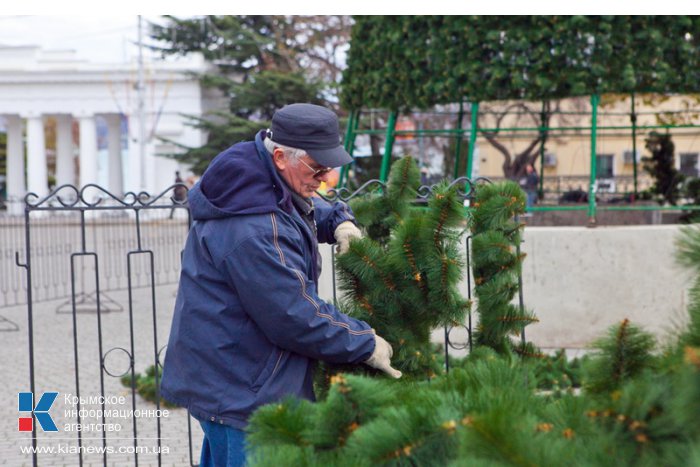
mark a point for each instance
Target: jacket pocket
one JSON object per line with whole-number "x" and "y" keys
{"x": 268, "y": 370}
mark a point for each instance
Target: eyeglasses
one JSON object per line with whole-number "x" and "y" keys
{"x": 317, "y": 173}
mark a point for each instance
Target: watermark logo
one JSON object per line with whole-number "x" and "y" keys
{"x": 40, "y": 411}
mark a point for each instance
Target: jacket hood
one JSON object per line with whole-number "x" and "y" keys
{"x": 241, "y": 180}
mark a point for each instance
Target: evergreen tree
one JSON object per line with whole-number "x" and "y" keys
{"x": 417, "y": 61}
{"x": 402, "y": 277}
{"x": 661, "y": 167}
{"x": 261, "y": 63}
{"x": 497, "y": 265}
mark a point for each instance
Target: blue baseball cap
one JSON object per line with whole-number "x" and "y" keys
{"x": 314, "y": 129}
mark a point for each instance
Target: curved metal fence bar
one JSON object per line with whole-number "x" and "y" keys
{"x": 343, "y": 194}
{"x": 423, "y": 191}
{"x": 94, "y": 196}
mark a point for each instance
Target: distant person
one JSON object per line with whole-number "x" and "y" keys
{"x": 424, "y": 174}
{"x": 179, "y": 193}
{"x": 530, "y": 183}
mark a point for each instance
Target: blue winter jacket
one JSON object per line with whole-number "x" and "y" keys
{"x": 248, "y": 325}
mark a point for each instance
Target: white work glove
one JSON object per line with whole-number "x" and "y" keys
{"x": 381, "y": 357}
{"x": 345, "y": 232}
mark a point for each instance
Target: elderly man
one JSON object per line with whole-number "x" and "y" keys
{"x": 249, "y": 326}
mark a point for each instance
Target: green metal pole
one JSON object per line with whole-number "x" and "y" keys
{"x": 458, "y": 145}
{"x": 543, "y": 116}
{"x": 355, "y": 125}
{"x": 633, "y": 118}
{"x": 388, "y": 145}
{"x": 595, "y": 99}
{"x": 472, "y": 138}
{"x": 349, "y": 143}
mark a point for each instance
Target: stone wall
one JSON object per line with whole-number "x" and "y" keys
{"x": 579, "y": 281}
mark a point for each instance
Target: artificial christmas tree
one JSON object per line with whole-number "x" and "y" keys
{"x": 402, "y": 277}
{"x": 496, "y": 236}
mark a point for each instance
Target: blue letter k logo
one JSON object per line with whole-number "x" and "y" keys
{"x": 41, "y": 411}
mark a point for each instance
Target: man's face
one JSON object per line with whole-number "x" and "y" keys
{"x": 303, "y": 176}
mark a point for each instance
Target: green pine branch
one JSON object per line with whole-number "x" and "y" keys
{"x": 688, "y": 255}
{"x": 623, "y": 354}
{"x": 496, "y": 266}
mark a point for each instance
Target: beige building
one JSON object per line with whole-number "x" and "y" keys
{"x": 567, "y": 158}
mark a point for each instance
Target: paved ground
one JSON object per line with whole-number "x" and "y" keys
{"x": 55, "y": 364}
{"x": 55, "y": 371}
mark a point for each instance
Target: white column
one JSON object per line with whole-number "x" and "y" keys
{"x": 151, "y": 167}
{"x": 88, "y": 150}
{"x": 65, "y": 169}
{"x": 16, "y": 186}
{"x": 37, "y": 172}
{"x": 114, "y": 150}
{"x": 134, "y": 179}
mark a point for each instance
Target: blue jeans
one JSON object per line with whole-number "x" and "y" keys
{"x": 223, "y": 446}
{"x": 531, "y": 198}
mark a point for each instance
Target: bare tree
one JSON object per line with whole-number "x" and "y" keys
{"x": 522, "y": 114}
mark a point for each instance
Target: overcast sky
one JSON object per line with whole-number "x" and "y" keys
{"x": 100, "y": 39}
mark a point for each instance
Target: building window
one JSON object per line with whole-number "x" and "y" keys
{"x": 628, "y": 157}
{"x": 550, "y": 160}
{"x": 689, "y": 164}
{"x": 604, "y": 166}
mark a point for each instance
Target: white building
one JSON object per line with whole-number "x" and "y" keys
{"x": 100, "y": 103}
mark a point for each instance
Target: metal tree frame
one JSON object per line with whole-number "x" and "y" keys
{"x": 466, "y": 194}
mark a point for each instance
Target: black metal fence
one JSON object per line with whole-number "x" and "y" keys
{"x": 81, "y": 244}
{"x": 87, "y": 245}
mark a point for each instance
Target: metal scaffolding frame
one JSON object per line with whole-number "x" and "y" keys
{"x": 390, "y": 133}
